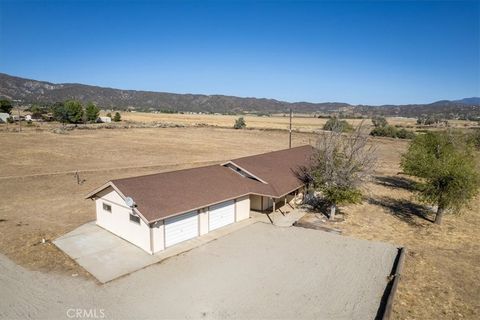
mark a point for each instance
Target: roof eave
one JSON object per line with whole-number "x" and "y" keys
{"x": 120, "y": 193}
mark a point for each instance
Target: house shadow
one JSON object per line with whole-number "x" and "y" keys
{"x": 403, "y": 210}
{"x": 396, "y": 182}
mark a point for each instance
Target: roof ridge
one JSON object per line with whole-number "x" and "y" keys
{"x": 165, "y": 172}
{"x": 273, "y": 152}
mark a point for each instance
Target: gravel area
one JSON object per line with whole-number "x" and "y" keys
{"x": 260, "y": 271}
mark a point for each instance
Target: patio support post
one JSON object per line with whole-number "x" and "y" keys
{"x": 273, "y": 200}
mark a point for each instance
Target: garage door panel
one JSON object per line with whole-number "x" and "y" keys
{"x": 221, "y": 215}
{"x": 181, "y": 228}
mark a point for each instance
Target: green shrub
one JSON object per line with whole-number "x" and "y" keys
{"x": 387, "y": 131}
{"x": 240, "y": 123}
{"x": 335, "y": 124}
{"x": 117, "y": 117}
{"x": 392, "y": 132}
{"x": 405, "y": 134}
{"x": 379, "y": 121}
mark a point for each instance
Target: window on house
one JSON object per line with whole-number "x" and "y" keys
{"x": 107, "y": 207}
{"x": 134, "y": 218}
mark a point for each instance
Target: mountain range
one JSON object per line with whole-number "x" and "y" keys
{"x": 29, "y": 91}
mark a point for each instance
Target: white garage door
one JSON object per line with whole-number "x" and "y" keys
{"x": 221, "y": 214}
{"x": 181, "y": 228}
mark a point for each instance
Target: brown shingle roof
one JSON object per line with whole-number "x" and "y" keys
{"x": 278, "y": 168}
{"x": 163, "y": 195}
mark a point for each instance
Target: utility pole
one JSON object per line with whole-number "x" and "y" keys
{"x": 290, "y": 131}
{"x": 19, "y": 120}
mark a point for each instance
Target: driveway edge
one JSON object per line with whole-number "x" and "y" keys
{"x": 386, "y": 305}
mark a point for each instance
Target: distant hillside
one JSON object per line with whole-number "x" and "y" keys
{"x": 33, "y": 91}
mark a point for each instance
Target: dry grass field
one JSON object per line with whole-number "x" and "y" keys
{"x": 304, "y": 123}
{"x": 42, "y": 200}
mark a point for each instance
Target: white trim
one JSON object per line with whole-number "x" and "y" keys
{"x": 236, "y": 165}
{"x": 111, "y": 184}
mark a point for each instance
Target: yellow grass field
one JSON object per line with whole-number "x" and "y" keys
{"x": 42, "y": 199}
{"x": 304, "y": 123}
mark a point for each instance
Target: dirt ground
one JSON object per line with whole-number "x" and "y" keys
{"x": 42, "y": 200}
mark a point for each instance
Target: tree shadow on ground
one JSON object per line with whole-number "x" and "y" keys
{"x": 403, "y": 209}
{"x": 396, "y": 182}
{"x": 318, "y": 205}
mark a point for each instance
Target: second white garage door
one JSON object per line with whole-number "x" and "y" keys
{"x": 221, "y": 214}
{"x": 181, "y": 228}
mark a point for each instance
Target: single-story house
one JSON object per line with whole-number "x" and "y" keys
{"x": 160, "y": 210}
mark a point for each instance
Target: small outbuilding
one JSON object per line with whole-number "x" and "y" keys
{"x": 4, "y": 117}
{"x": 160, "y": 210}
{"x": 104, "y": 119}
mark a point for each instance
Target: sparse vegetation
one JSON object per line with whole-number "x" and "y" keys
{"x": 37, "y": 111}
{"x": 240, "y": 123}
{"x": 430, "y": 120}
{"x": 475, "y": 138}
{"x": 446, "y": 165}
{"x": 168, "y": 111}
{"x": 383, "y": 129}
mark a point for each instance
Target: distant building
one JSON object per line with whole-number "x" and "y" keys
{"x": 17, "y": 117}
{"x": 4, "y": 117}
{"x": 104, "y": 119}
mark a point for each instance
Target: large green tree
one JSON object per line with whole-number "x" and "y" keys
{"x": 74, "y": 111}
{"x": 70, "y": 111}
{"x": 446, "y": 165}
{"x": 6, "y": 106}
{"x": 91, "y": 112}
{"x": 340, "y": 165}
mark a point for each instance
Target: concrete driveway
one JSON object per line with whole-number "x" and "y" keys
{"x": 108, "y": 257}
{"x": 101, "y": 253}
{"x": 259, "y": 271}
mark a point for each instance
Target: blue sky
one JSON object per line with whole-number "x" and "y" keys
{"x": 361, "y": 52}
